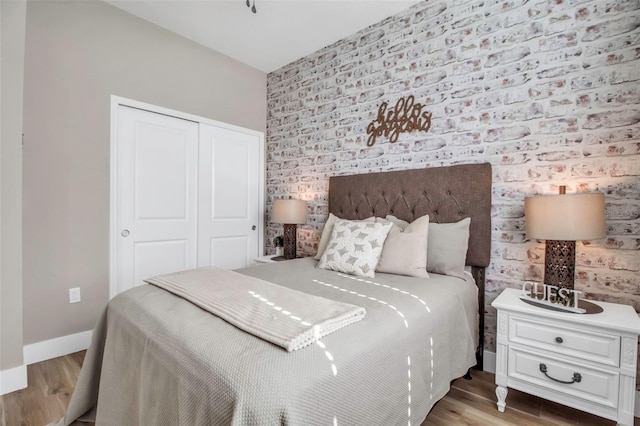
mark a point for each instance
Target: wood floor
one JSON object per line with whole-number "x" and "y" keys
{"x": 51, "y": 384}
{"x": 470, "y": 402}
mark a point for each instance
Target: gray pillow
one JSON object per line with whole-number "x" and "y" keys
{"x": 447, "y": 246}
{"x": 405, "y": 250}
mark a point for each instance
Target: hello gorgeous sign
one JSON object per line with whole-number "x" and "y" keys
{"x": 406, "y": 116}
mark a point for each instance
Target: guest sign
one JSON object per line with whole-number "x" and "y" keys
{"x": 406, "y": 116}
{"x": 560, "y": 298}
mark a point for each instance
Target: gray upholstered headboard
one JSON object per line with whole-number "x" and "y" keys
{"x": 446, "y": 194}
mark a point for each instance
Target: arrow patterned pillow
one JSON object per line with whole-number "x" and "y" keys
{"x": 355, "y": 247}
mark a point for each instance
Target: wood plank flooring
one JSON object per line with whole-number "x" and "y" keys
{"x": 51, "y": 384}
{"x": 469, "y": 402}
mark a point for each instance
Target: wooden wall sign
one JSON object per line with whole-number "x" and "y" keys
{"x": 405, "y": 116}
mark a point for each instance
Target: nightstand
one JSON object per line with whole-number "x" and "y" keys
{"x": 271, "y": 258}
{"x": 585, "y": 361}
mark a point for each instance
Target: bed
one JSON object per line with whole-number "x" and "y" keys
{"x": 158, "y": 359}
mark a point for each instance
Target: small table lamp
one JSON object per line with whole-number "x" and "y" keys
{"x": 561, "y": 220}
{"x": 290, "y": 213}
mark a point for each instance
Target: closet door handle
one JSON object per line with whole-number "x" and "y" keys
{"x": 253, "y": 228}
{"x": 125, "y": 233}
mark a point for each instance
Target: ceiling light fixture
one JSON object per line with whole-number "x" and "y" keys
{"x": 253, "y": 7}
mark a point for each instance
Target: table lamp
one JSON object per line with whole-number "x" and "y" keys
{"x": 561, "y": 220}
{"x": 290, "y": 213}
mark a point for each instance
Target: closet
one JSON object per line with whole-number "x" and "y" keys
{"x": 186, "y": 192}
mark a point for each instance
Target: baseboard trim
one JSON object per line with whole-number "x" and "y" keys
{"x": 53, "y": 348}
{"x": 489, "y": 362}
{"x": 13, "y": 379}
{"x": 490, "y": 366}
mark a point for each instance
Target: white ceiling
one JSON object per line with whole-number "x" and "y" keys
{"x": 281, "y": 31}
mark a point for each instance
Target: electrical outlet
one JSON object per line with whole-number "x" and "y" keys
{"x": 74, "y": 295}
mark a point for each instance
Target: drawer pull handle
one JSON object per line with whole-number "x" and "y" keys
{"x": 558, "y": 339}
{"x": 577, "y": 378}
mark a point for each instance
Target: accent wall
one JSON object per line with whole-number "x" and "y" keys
{"x": 546, "y": 91}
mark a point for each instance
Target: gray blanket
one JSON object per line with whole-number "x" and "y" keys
{"x": 156, "y": 359}
{"x": 280, "y": 315}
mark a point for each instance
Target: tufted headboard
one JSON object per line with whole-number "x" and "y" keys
{"x": 446, "y": 194}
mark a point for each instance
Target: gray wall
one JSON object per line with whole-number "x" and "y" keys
{"x": 13, "y": 15}
{"x": 77, "y": 55}
{"x": 547, "y": 92}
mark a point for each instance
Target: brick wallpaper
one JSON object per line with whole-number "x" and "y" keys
{"x": 546, "y": 91}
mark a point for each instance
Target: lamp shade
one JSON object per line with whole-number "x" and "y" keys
{"x": 290, "y": 211}
{"x": 565, "y": 217}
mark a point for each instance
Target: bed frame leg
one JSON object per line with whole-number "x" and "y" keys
{"x": 468, "y": 375}
{"x": 479, "y": 275}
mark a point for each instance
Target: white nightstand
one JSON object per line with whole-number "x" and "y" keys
{"x": 585, "y": 361}
{"x": 272, "y": 258}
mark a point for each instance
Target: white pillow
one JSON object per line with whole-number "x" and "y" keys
{"x": 326, "y": 233}
{"x": 355, "y": 247}
{"x": 447, "y": 246}
{"x": 405, "y": 251}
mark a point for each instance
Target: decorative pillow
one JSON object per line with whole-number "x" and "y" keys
{"x": 355, "y": 247}
{"x": 447, "y": 246}
{"x": 449, "y": 243}
{"x": 398, "y": 222}
{"x": 405, "y": 250}
{"x": 326, "y": 233}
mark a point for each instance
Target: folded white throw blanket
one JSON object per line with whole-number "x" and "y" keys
{"x": 288, "y": 318}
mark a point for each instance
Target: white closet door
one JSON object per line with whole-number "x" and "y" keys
{"x": 229, "y": 191}
{"x": 156, "y": 195}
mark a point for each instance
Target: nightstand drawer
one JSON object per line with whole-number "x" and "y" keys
{"x": 587, "y": 383}
{"x": 587, "y": 345}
